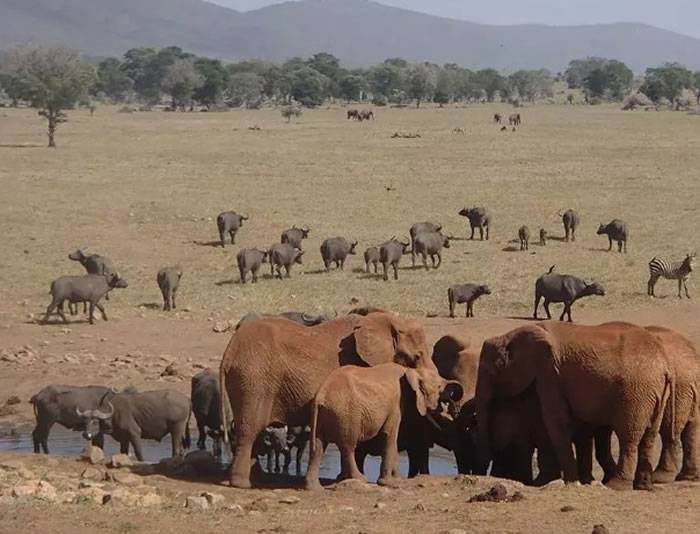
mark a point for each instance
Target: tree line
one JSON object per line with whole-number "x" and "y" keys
{"x": 56, "y": 79}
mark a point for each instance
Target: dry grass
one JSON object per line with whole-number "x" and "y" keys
{"x": 145, "y": 188}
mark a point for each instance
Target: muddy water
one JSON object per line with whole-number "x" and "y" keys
{"x": 64, "y": 442}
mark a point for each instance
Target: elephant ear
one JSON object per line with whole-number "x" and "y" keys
{"x": 374, "y": 339}
{"x": 414, "y": 381}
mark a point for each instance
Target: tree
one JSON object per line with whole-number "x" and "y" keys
{"x": 308, "y": 86}
{"x": 490, "y": 82}
{"x": 696, "y": 85}
{"x": 181, "y": 80}
{"x": 386, "y": 80}
{"x": 420, "y": 84}
{"x": 667, "y": 81}
{"x": 612, "y": 80}
{"x": 215, "y": 80}
{"x": 531, "y": 84}
{"x": 352, "y": 86}
{"x": 112, "y": 80}
{"x": 138, "y": 65}
{"x": 579, "y": 69}
{"x": 245, "y": 89}
{"x": 50, "y": 79}
{"x": 443, "y": 89}
{"x": 326, "y": 64}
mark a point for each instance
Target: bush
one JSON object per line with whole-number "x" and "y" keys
{"x": 635, "y": 100}
{"x": 380, "y": 101}
{"x": 595, "y": 101}
{"x": 289, "y": 112}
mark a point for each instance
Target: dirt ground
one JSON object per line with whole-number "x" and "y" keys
{"x": 145, "y": 189}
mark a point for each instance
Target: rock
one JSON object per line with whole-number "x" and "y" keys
{"x": 554, "y": 484}
{"x": 67, "y": 497}
{"x": 197, "y": 502}
{"x": 498, "y": 493}
{"x": 567, "y": 508}
{"x": 9, "y": 357}
{"x": 236, "y": 508}
{"x": 380, "y": 505}
{"x": 457, "y": 531}
{"x": 121, "y": 460}
{"x": 92, "y": 454}
{"x": 121, "y": 496}
{"x": 92, "y": 493}
{"x": 419, "y": 507}
{"x": 46, "y": 492}
{"x": 14, "y": 399}
{"x": 90, "y": 473}
{"x": 170, "y": 370}
{"x": 290, "y": 499}
{"x": 125, "y": 478}
{"x": 24, "y": 490}
{"x": 346, "y": 509}
{"x": 221, "y": 327}
{"x": 150, "y": 499}
{"x": 600, "y": 529}
{"x": 214, "y": 499}
{"x": 89, "y": 484}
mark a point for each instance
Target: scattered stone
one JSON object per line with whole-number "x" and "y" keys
{"x": 90, "y": 473}
{"x": 290, "y": 499}
{"x": 150, "y": 499}
{"x": 125, "y": 478}
{"x": 467, "y": 480}
{"x": 419, "y": 507}
{"x": 68, "y": 497}
{"x": 567, "y": 508}
{"x": 14, "y": 399}
{"x": 92, "y": 454}
{"x": 221, "y": 327}
{"x": 197, "y": 502}
{"x": 456, "y": 531}
{"x": 92, "y": 493}
{"x": 600, "y": 529}
{"x": 498, "y": 493}
{"x": 236, "y": 508}
{"x": 7, "y": 410}
{"x": 121, "y": 460}
{"x": 24, "y": 490}
{"x": 121, "y": 496}
{"x": 214, "y": 499}
{"x": 170, "y": 370}
{"x": 46, "y": 492}
{"x": 554, "y": 484}
{"x": 380, "y": 505}
{"x": 346, "y": 509}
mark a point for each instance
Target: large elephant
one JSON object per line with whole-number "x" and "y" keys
{"x": 611, "y": 375}
{"x": 272, "y": 368}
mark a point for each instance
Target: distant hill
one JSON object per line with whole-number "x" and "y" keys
{"x": 359, "y": 32}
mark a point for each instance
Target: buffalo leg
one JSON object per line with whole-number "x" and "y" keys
{"x": 300, "y": 455}
{"x": 202, "y": 440}
{"x": 376, "y": 267}
{"x": 418, "y": 461}
{"x": 40, "y": 437}
{"x": 102, "y": 310}
{"x": 473, "y": 228}
{"x": 288, "y": 273}
{"x": 537, "y": 305}
{"x": 172, "y": 299}
{"x": 396, "y": 271}
{"x": 610, "y": 244}
{"x": 546, "y": 308}
{"x": 136, "y": 444}
{"x": 232, "y": 233}
{"x": 124, "y": 446}
{"x": 221, "y": 238}
{"x": 425, "y": 261}
{"x": 439, "y": 257}
{"x": 99, "y": 440}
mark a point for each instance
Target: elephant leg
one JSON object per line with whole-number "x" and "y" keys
{"x": 603, "y": 454}
{"x": 583, "y": 443}
{"x": 690, "y": 440}
{"x": 481, "y": 232}
{"x": 348, "y": 467}
{"x": 360, "y": 456}
{"x": 418, "y": 461}
{"x": 245, "y": 435}
{"x": 668, "y": 467}
{"x": 557, "y": 422}
{"x": 376, "y": 267}
{"x": 390, "y": 458}
{"x": 278, "y": 468}
{"x": 643, "y": 478}
{"x": 627, "y": 461}
{"x": 313, "y": 472}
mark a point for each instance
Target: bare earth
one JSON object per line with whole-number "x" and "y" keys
{"x": 145, "y": 189}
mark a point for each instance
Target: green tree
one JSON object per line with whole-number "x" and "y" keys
{"x": 308, "y": 86}
{"x": 245, "y": 89}
{"x": 490, "y": 82}
{"x": 579, "y": 69}
{"x": 112, "y": 80}
{"x": 326, "y": 64}
{"x": 352, "y": 86}
{"x": 667, "y": 81}
{"x": 443, "y": 89}
{"x": 696, "y": 85}
{"x": 421, "y": 84}
{"x": 52, "y": 80}
{"x": 180, "y": 81}
{"x": 531, "y": 84}
{"x": 215, "y": 80}
{"x": 138, "y": 65}
{"x": 611, "y": 80}
{"x": 386, "y": 80}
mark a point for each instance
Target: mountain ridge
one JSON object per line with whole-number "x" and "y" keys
{"x": 359, "y": 32}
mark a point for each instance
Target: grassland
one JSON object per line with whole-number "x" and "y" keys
{"x": 145, "y": 189}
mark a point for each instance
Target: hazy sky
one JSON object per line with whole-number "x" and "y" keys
{"x": 679, "y": 15}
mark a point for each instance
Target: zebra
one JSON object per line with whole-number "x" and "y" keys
{"x": 658, "y": 267}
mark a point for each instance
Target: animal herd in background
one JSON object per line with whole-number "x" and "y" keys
{"x": 426, "y": 241}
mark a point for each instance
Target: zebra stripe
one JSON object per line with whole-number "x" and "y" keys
{"x": 659, "y": 267}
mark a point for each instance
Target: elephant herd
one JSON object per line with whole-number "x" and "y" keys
{"x": 369, "y": 384}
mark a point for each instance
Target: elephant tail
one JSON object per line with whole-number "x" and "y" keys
{"x": 224, "y": 403}
{"x": 668, "y": 407}
{"x": 186, "y": 439}
{"x": 314, "y": 426}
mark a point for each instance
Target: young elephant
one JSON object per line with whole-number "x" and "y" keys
{"x": 357, "y": 404}
{"x": 168, "y": 281}
{"x": 524, "y": 237}
{"x": 466, "y": 293}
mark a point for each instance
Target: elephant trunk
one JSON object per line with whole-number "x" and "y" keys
{"x": 484, "y": 394}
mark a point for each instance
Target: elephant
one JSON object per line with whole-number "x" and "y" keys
{"x": 589, "y": 374}
{"x": 360, "y": 404}
{"x": 272, "y": 368}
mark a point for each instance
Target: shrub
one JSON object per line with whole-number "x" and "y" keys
{"x": 289, "y": 112}
{"x": 380, "y": 101}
